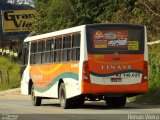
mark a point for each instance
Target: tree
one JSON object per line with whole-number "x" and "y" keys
{"x": 59, "y": 14}
{"x": 144, "y": 12}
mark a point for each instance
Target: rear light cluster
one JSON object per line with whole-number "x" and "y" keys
{"x": 145, "y": 72}
{"x": 86, "y": 75}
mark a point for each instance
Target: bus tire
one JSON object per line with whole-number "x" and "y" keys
{"x": 81, "y": 100}
{"x": 36, "y": 101}
{"x": 116, "y": 102}
{"x": 64, "y": 103}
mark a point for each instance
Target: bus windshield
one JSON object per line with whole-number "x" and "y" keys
{"x": 121, "y": 40}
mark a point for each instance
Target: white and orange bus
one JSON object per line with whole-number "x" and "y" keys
{"x": 89, "y": 62}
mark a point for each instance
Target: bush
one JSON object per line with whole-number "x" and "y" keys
{"x": 154, "y": 77}
{"x": 13, "y": 69}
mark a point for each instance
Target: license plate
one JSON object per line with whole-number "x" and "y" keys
{"x": 116, "y": 79}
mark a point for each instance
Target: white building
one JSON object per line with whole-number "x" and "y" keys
{"x": 19, "y": 2}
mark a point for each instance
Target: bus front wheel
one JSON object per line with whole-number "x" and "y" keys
{"x": 36, "y": 101}
{"x": 115, "y": 102}
{"x": 64, "y": 103}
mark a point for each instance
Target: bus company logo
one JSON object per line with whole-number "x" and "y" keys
{"x": 37, "y": 77}
{"x": 116, "y": 67}
{"x": 99, "y": 35}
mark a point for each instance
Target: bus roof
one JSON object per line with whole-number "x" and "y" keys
{"x": 55, "y": 33}
{"x": 77, "y": 29}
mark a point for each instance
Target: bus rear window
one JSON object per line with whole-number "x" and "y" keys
{"x": 116, "y": 40}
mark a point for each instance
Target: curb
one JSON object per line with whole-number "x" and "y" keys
{"x": 15, "y": 91}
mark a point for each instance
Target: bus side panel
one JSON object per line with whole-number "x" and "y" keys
{"x": 47, "y": 77}
{"x": 25, "y": 81}
{"x": 72, "y": 84}
{"x": 39, "y": 77}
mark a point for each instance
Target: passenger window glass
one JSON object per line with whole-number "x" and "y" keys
{"x": 49, "y": 50}
{"x": 75, "y": 55}
{"x": 33, "y": 57}
{"x": 76, "y": 40}
{"x": 67, "y": 42}
{"x": 58, "y": 43}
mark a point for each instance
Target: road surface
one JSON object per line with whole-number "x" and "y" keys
{"x": 12, "y": 103}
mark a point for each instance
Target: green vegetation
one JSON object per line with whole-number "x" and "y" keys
{"x": 154, "y": 77}
{"x": 6, "y": 64}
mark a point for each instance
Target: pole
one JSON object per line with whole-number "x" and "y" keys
{"x": 0, "y": 76}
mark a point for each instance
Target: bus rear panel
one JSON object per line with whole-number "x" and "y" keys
{"x": 117, "y": 60}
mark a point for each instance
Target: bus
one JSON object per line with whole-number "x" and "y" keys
{"x": 86, "y": 63}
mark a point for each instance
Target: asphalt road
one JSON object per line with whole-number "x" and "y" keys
{"x": 16, "y": 104}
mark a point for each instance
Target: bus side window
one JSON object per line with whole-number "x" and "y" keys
{"x": 57, "y": 49}
{"x": 75, "y": 47}
{"x": 41, "y": 51}
{"x": 66, "y": 48}
{"x": 49, "y": 50}
{"x": 25, "y": 51}
{"x": 33, "y": 53}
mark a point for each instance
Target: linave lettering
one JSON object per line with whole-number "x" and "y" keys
{"x": 116, "y": 67}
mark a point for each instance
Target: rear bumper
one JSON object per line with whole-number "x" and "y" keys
{"x": 88, "y": 88}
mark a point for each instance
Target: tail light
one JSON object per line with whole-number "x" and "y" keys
{"x": 86, "y": 76}
{"x": 145, "y": 72}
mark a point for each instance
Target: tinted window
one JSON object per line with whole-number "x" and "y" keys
{"x": 66, "y": 55}
{"x": 33, "y": 47}
{"x": 25, "y": 51}
{"x": 33, "y": 56}
{"x": 58, "y": 43}
{"x": 128, "y": 39}
{"x": 49, "y": 50}
{"x": 76, "y": 40}
{"x": 67, "y": 42}
{"x": 57, "y": 56}
{"x": 41, "y": 52}
{"x": 75, "y": 47}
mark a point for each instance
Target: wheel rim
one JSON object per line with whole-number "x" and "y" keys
{"x": 62, "y": 99}
{"x": 32, "y": 95}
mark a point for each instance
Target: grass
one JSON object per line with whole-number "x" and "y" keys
{"x": 7, "y": 64}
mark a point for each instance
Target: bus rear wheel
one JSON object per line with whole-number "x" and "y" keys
{"x": 64, "y": 103}
{"x": 115, "y": 102}
{"x": 36, "y": 101}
